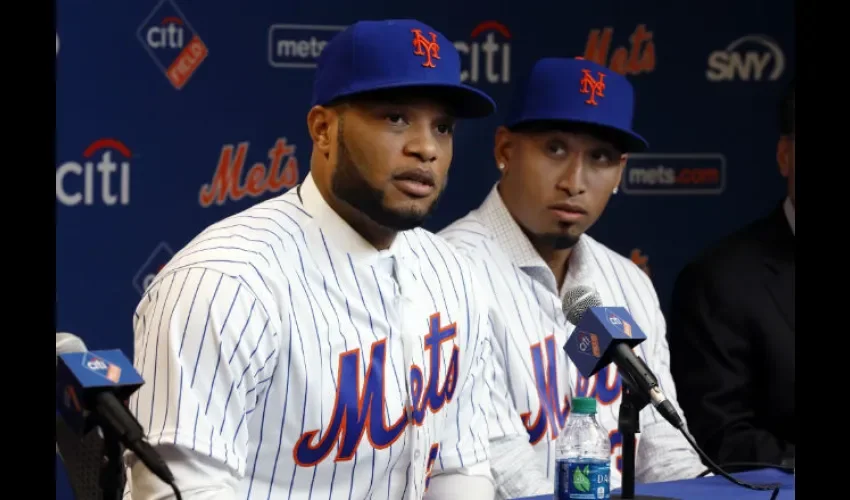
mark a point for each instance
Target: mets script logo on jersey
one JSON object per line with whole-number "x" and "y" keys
{"x": 675, "y": 174}
{"x": 172, "y": 43}
{"x": 429, "y": 48}
{"x": 101, "y": 367}
{"x": 96, "y": 182}
{"x": 552, "y": 413}
{"x": 227, "y": 183}
{"x": 359, "y": 408}
{"x": 298, "y": 45}
{"x": 157, "y": 260}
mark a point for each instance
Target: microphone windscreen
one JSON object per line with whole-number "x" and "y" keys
{"x": 67, "y": 343}
{"x": 577, "y": 301}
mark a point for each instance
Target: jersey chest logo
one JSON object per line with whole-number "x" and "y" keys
{"x": 360, "y": 409}
{"x": 551, "y": 414}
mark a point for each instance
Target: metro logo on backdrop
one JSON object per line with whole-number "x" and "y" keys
{"x": 298, "y": 45}
{"x": 172, "y": 43}
{"x": 487, "y": 59}
{"x": 99, "y": 179}
{"x": 675, "y": 174}
{"x": 749, "y": 58}
{"x": 228, "y": 182}
{"x": 160, "y": 256}
{"x": 633, "y": 59}
{"x": 487, "y": 54}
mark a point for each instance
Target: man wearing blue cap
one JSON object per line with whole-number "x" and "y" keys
{"x": 561, "y": 154}
{"x": 320, "y": 344}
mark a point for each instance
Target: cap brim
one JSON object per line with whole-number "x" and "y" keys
{"x": 631, "y": 141}
{"x": 465, "y": 101}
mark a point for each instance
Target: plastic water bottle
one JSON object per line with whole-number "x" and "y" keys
{"x": 583, "y": 462}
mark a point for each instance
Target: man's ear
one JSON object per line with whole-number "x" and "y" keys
{"x": 624, "y": 158}
{"x": 319, "y": 122}
{"x": 503, "y": 148}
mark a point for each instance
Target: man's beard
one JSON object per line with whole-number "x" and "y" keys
{"x": 556, "y": 241}
{"x": 349, "y": 185}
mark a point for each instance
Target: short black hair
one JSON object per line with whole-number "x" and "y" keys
{"x": 786, "y": 110}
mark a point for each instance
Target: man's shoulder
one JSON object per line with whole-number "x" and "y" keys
{"x": 467, "y": 233}
{"x": 427, "y": 245}
{"x": 249, "y": 246}
{"x": 737, "y": 252}
{"x": 602, "y": 255}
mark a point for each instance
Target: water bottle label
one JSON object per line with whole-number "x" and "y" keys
{"x": 582, "y": 480}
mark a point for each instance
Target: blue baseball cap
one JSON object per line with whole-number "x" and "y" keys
{"x": 393, "y": 54}
{"x": 578, "y": 91}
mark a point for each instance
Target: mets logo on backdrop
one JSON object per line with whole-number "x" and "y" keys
{"x": 172, "y": 43}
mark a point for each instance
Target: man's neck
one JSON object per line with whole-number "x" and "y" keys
{"x": 377, "y": 235}
{"x": 558, "y": 260}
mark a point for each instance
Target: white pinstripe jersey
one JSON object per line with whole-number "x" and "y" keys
{"x": 535, "y": 379}
{"x": 281, "y": 343}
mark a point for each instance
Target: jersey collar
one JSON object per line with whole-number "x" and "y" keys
{"x": 338, "y": 233}
{"x": 516, "y": 245}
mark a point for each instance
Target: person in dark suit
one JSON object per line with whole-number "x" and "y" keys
{"x": 731, "y": 333}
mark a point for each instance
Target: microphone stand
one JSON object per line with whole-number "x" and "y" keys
{"x": 628, "y": 423}
{"x": 112, "y": 471}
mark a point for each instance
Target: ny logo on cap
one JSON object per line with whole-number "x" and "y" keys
{"x": 424, "y": 47}
{"x": 592, "y": 87}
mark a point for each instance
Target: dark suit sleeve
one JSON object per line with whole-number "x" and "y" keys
{"x": 711, "y": 361}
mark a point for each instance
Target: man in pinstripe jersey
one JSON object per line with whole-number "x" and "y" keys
{"x": 561, "y": 155}
{"x": 320, "y": 344}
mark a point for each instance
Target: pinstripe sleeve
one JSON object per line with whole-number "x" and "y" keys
{"x": 468, "y": 445}
{"x": 663, "y": 454}
{"x": 206, "y": 348}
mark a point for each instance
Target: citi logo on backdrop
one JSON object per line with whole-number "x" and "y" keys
{"x": 103, "y": 177}
{"x": 172, "y": 42}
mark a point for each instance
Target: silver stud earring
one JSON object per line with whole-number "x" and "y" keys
{"x": 615, "y": 189}
{"x": 501, "y": 166}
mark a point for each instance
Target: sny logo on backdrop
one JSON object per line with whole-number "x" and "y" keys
{"x": 735, "y": 62}
{"x": 83, "y": 188}
{"x": 299, "y": 46}
{"x": 688, "y": 174}
{"x": 172, "y": 43}
{"x": 260, "y": 179}
{"x": 157, "y": 260}
{"x": 634, "y": 60}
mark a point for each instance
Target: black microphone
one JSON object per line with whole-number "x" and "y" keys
{"x": 605, "y": 335}
{"x": 90, "y": 389}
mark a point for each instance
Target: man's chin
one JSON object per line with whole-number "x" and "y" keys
{"x": 560, "y": 240}
{"x": 400, "y": 220}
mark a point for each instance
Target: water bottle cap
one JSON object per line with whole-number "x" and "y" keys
{"x": 586, "y": 406}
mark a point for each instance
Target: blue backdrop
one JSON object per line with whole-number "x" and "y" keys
{"x": 165, "y": 106}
